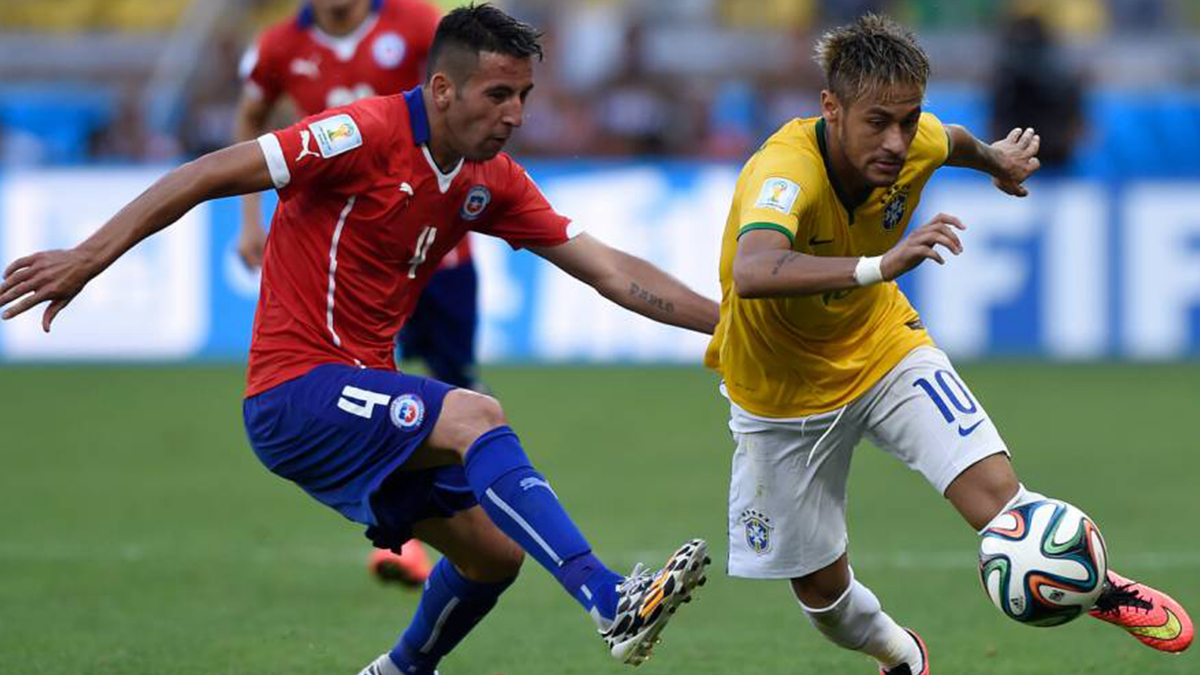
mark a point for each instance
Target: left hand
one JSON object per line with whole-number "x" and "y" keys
{"x": 1015, "y": 159}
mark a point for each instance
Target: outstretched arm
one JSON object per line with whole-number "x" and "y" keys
{"x": 633, "y": 283}
{"x": 58, "y": 276}
{"x": 1009, "y": 161}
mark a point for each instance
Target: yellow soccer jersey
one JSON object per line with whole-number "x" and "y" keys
{"x": 796, "y": 356}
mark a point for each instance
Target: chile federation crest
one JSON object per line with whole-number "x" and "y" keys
{"x": 477, "y": 200}
{"x": 407, "y": 411}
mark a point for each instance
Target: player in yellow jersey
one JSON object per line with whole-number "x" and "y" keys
{"x": 818, "y": 347}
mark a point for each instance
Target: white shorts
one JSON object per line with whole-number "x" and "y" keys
{"x": 787, "y": 495}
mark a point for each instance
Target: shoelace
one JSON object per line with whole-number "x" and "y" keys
{"x": 638, "y": 580}
{"x": 1123, "y": 595}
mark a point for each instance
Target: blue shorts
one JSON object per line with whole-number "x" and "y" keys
{"x": 341, "y": 433}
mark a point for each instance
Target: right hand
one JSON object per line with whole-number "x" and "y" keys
{"x": 919, "y": 245}
{"x": 252, "y": 241}
{"x": 54, "y": 276}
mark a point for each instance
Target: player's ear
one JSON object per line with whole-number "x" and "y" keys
{"x": 831, "y": 108}
{"x": 441, "y": 88}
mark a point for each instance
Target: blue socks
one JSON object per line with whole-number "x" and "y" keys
{"x": 450, "y": 607}
{"x": 521, "y": 503}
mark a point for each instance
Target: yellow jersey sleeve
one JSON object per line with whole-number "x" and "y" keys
{"x": 931, "y": 146}
{"x": 774, "y": 191}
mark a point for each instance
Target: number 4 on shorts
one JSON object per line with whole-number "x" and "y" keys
{"x": 361, "y": 402}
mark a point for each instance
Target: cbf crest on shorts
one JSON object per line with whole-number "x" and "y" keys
{"x": 757, "y": 528}
{"x": 477, "y": 200}
{"x": 407, "y": 411}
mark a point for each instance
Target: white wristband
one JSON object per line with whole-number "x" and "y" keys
{"x": 869, "y": 270}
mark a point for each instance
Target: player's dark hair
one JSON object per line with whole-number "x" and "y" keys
{"x": 871, "y": 53}
{"x": 475, "y": 28}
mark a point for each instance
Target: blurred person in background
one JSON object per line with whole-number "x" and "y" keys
{"x": 638, "y": 114}
{"x": 1033, "y": 86}
{"x": 818, "y": 348}
{"x": 331, "y": 54}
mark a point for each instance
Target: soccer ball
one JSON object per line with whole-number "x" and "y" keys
{"x": 1043, "y": 563}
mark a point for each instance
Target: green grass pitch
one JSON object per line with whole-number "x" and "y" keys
{"x": 138, "y": 533}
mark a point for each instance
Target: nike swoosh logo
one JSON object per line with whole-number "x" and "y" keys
{"x": 405, "y": 187}
{"x": 813, "y": 241}
{"x": 1168, "y": 630}
{"x": 968, "y": 430}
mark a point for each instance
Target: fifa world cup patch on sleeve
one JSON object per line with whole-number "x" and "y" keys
{"x": 336, "y": 135}
{"x": 778, "y": 194}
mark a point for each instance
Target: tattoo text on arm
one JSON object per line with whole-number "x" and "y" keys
{"x": 783, "y": 260}
{"x": 651, "y": 299}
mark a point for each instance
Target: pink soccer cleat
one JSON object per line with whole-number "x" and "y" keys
{"x": 409, "y": 567}
{"x": 1149, "y": 615}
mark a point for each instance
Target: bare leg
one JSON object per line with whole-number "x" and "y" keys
{"x": 475, "y": 546}
{"x": 983, "y": 490}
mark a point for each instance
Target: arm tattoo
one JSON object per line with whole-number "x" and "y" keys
{"x": 783, "y": 260}
{"x": 651, "y": 299}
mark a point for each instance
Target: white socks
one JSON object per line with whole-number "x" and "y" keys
{"x": 857, "y": 622}
{"x": 381, "y": 666}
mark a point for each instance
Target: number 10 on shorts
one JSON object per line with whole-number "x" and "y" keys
{"x": 949, "y": 388}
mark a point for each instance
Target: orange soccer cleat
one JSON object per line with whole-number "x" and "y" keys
{"x": 1149, "y": 615}
{"x": 409, "y": 567}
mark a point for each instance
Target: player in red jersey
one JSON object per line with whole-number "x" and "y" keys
{"x": 372, "y": 195}
{"x": 333, "y": 53}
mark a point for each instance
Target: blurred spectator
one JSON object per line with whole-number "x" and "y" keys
{"x": 636, "y": 112}
{"x": 128, "y": 139}
{"x": 1033, "y": 86}
{"x": 1143, "y": 15}
{"x": 938, "y": 14}
{"x": 1073, "y": 18}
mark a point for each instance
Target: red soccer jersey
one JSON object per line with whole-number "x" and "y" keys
{"x": 364, "y": 216}
{"x": 317, "y": 71}
{"x": 385, "y": 55}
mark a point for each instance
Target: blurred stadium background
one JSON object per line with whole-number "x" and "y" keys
{"x": 138, "y": 534}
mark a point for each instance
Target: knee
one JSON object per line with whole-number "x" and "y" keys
{"x": 817, "y": 594}
{"x": 467, "y": 415}
{"x": 824, "y": 587}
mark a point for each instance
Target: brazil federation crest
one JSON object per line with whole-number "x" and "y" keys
{"x": 477, "y": 200}
{"x": 407, "y": 411}
{"x": 757, "y": 527}
{"x": 893, "y": 212}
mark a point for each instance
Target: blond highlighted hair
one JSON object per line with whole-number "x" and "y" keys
{"x": 870, "y": 54}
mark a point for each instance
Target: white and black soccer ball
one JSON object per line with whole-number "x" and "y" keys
{"x": 1043, "y": 563}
